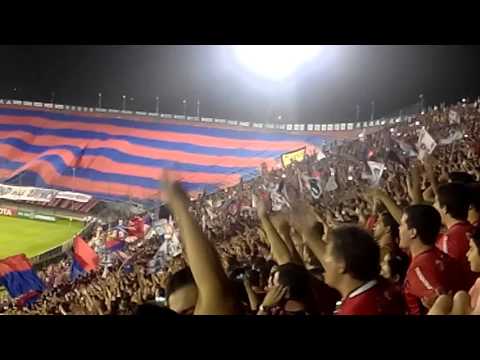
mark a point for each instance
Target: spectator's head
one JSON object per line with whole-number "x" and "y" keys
{"x": 474, "y": 209}
{"x": 452, "y": 202}
{"x": 296, "y": 279}
{"x": 152, "y": 309}
{"x": 351, "y": 254}
{"x": 420, "y": 224}
{"x": 182, "y": 292}
{"x": 386, "y": 224}
{"x": 473, "y": 254}
{"x": 395, "y": 266}
{"x": 318, "y": 272}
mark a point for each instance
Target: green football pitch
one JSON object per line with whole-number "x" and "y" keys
{"x": 33, "y": 237}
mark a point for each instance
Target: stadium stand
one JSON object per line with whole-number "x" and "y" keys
{"x": 351, "y": 227}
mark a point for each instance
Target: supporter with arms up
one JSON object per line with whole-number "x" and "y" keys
{"x": 281, "y": 244}
{"x": 432, "y": 177}
{"x": 414, "y": 184}
{"x": 351, "y": 259}
{"x": 382, "y": 196}
{"x": 291, "y": 290}
{"x": 215, "y": 293}
{"x": 431, "y": 271}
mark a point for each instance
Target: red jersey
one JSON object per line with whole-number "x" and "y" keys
{"x": 455, "y": 243}
{"x": 376, "y": 297}
{"x": 430, "y": 274}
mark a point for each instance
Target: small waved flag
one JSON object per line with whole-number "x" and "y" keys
{"x": 426, "y": 144}
{"x": 114, "y": 245}
{"x": 20, "y": 279}
{"x": 136, "y": 227}
{"x": 293, "y": 156}
{"x": 85, "y": 259}
{"x": 454, "y": 136}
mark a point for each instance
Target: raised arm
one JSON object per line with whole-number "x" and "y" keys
{"x": 306, "y": 222}
{"x": 391, "y": 206}
{"x": 281, "y": 224}
{"x": 215, "y": 294}
{"x": 252, "y": 296}
{"x": 279, "y": 249}
{"x": 429, "y": 195}
{"x": 414, "y": 184}
{"x": 430, "y": 171}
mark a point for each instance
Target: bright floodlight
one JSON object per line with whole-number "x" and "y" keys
{"x": 275, "y": 62}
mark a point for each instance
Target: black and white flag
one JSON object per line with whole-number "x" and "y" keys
{"x": 377, "y": 171}
{"x": 426, "y": 144}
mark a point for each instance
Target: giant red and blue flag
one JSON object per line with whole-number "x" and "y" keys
{"x": 119, "y": 158}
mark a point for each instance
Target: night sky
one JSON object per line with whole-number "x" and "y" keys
{"x": 326, "y": 90}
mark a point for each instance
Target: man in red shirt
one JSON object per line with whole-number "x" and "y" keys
{"x": 452, "y": 202}
{"x": 352, "y": 266}
{"x": 431, "y": 271}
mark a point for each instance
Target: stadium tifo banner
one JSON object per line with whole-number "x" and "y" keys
{"x": 22, "y": 193}
{"x": 121, "y": 159}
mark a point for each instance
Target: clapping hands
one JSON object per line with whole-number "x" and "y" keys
{"x": 456, "y": 305}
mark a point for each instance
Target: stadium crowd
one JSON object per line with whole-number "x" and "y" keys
{"x": 384, "y": 225}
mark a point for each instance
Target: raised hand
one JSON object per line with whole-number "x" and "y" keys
{"x": 413, "y": 183}
{"x": 215, "y": 292}
{"x": 62, "y": 311}
{"x": 274, "y": 296}
{"x": 262, "y": 208}
{"x": 429, "y": 162}
{"x": 376, "y": 193}
{"x": 173, "y": 192}
{"x": 444, "y": 175}
{"x": 303, "y": 217}
{"x": 391, "y": 206}
{"x": 456, "y": 305}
